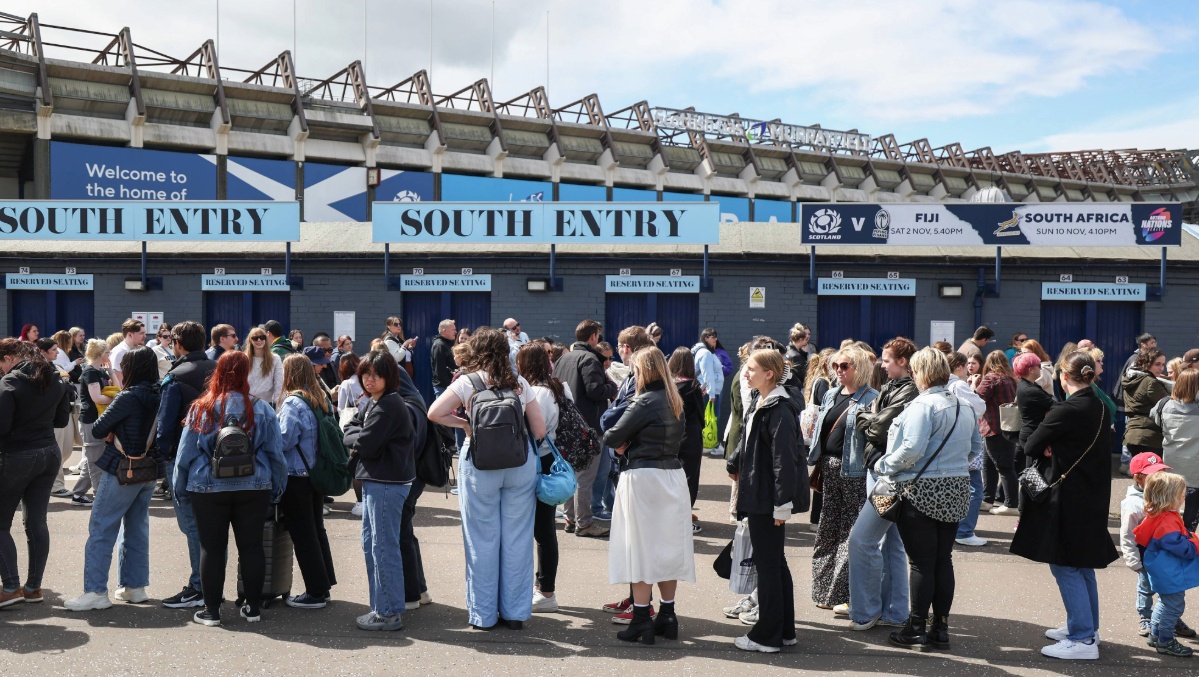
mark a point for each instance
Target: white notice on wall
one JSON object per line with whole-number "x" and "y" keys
{"x": 941, "y": 330}
{"x": 757, "y": 297}
{"x": 343, "y": 324}
{"x": 152, "y": 320}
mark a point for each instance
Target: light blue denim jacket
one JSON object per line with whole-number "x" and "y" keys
{"x": 917, "y": 432}
{"x": 297, "y": 432}
{"x": 193, "y": 466}
{"x": 853, "y": 458}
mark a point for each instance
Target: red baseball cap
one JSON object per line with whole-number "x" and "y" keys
{"x": 1146, "y": 463}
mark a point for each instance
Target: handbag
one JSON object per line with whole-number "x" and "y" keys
{"x": 1033, "y": 482}
{"x": 886, "y": 497}
{"x": 560, "y": 484}
{"x": 723, "y": 565}
{"x": 816, "y": 478}
{"x": 137, "y": 469}
{"x": 1009, "y": 418}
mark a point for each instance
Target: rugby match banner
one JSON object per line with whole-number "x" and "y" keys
{"x": 667, "y": 223}
{"x": 1121, "y": 224}
{"x": 223, "y": 221}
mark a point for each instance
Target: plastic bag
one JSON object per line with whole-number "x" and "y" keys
{"x": 710, "y": 426}
{"x": 807, "y": 422}
{"x": 743, "y": 578}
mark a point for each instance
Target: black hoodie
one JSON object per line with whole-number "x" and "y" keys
{"x": 28, "y": 416}
{"x": 769, "y": 459}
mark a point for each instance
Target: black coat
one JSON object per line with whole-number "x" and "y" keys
{"x": 28, "y": 417}
{"x": 583, "y": 370}
{"x": 652, "y": 430}
{"x": 1033, "y": 403}
{"x": 770, "y": 461}
{"x": 876, "y": 423}
{"x": 693, "y": 418}
{"x": 1070, "y": 528}
{"x": 441, "y": 359}
{"x": 798, "y": 359}
{"x": 383, "y": 438}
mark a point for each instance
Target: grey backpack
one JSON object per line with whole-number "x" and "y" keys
{"x": 497, "y": 427}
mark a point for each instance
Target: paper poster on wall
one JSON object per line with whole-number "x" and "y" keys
{"x": 343, "y": 324}
{"x": 941, "y": 330}
{"x": 152, "y": 320}
{"x": 757, "y": 297}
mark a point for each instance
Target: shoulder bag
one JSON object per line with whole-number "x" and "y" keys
{"x": 1009, "y": 418}
{"x": 885, "y": 497}
{"x": 1033, "y": 483}
{"x": 137, "y": 469}
{"x": 816, "y": 478}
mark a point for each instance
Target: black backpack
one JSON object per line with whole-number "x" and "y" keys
{"x": 232, "y": 451}
{"x": 434, "y": 458}
{"x": 578, "y": 442}
{"x": 497, "y": 427}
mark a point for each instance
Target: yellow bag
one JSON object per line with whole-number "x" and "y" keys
{"x": 109, "y": 392}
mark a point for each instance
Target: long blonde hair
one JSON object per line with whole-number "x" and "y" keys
{"x": 817, "y": 368}
{"x": 299, "y": 378}
{"x": 650, "y": 366}
{"x": 268, "y": 358}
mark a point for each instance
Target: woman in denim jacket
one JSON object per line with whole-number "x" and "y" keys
{"x": 839, "y": 454}
{"x": 121, "y": 513}
{"x": 241, "y": 502}
{"x": 938, "y": 499}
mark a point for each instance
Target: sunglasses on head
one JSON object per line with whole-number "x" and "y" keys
{"x": 842, "y": 366}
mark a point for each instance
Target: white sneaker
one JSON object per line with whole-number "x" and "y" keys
{"x": 1004, "y": 510}
{"x": 88, "y": 601}
{"x": 425, "y": 598}
{"x": 841, "y": 609}
{"x": 356, "y": 511}
{"x": 411, "y": 606}
{"x": 131, "y": 595}
{"x": 1060, "y": 634}
{"x": 1069, "y": 650}
{"x": 975, "y": 541}
{"x": 746, "y": 644}
{"x": 749, "y": 617}
{"x": 985, "y": 506}
{"x": 861, "y": 627}
{"x": 543, "y": 604}
{"x": 745, "y": 605}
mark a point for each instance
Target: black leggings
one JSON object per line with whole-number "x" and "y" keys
{"x": 999, "y": 467}
{"x": 304, "y": 507}
{"x": 691, "y": 467}
{"x": 545, "y": 532}
{"x": 414, "y": 566}
{"x": 246, "y": 512}
{"x": 929, "y": 545}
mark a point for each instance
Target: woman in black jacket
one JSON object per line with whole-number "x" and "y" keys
{"x": 33, "y": 402}
{"x": 765, "y": 469}
{"x": 1033, "y": 402}
{"x": 381, "y": 436}
{"x": 651, "y": 538}
{"x": 1068, "y": 530}
{"x": 121, "y": 512}
{"x": 691, "y": 452}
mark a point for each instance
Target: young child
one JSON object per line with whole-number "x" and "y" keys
{"x": 1170, "y": 555}
{"x": 1132, "y": 513}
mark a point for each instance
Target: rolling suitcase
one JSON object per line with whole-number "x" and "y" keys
{"x": 280, "y": 556}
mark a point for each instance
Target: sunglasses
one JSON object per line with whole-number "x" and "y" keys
{"x": 842, "y": 366}
{"x": 256, "y": 339}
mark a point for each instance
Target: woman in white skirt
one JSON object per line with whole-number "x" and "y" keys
{"x": 651, "y": 520}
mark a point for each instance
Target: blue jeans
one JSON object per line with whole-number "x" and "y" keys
{"x": 187, "y": 524}
{"x": 497, "y": 529}
{"x": 382, "y": 515}
{"x": 878, "y": 581}
{"x": 600, "y": 501}
{"x": 967, "y": 525}
{"x": 1144, "y": 596}
{"x": 1080, "y": 595}
{"x": 120, "y": 516}
{"x": 1167, "y": 613}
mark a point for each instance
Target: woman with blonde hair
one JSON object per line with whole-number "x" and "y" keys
{"x": 266, "y": 368}
{"x": 651, "y": 539}
{"x": 302, "y": 502}
{"x": 114, "y": 338}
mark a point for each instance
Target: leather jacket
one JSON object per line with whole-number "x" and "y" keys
{"x": 652, "y": 430}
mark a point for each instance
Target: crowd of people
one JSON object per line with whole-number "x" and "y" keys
{"x": 893, "y": 453}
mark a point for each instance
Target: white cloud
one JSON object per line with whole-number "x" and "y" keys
{"x": 874, "y": 60}
{"x": 1171, "y": 135}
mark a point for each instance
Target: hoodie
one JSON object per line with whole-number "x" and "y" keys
{"x": 708, "y": 370}
{"x": 28, "y": 417}
{"x": 1132, "y": 513}
{"x": 1171, "y": 553}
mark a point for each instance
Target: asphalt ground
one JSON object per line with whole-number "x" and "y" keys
{"x": 1003, "y": 605}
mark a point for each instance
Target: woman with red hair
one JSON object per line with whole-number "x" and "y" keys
{"x": 30, "y": 333}
{"x": 240, "y": 502}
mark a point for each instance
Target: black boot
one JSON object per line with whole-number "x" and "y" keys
{"x": 938, "y": 636}
{"x": 641, "y": 629}
{"x": 911, "y": 635}
{"x": 666, "y": 623}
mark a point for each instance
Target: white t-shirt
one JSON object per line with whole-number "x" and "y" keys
{"x": 463, "y": 389}
{"x": 118, "y": 354}
{"x": 549, "y": 411}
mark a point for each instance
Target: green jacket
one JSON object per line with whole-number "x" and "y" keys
{"x": 282, "y": 347}
{"x": 1142, "y": 390}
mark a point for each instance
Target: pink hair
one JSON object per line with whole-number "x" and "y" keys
{"x": 1025, "y": 364}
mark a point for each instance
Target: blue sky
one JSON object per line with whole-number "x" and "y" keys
{"x": 1033, "y": 75}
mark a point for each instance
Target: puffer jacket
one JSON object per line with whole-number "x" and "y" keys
{"x": 651, "y": 429}
{"x": 1179, "y": 422}
{"x": 28, "y": 418}
{"x": 770, "y": 463}
{"x": 129, "y": 418}
{"x": 708, "y": 370}
{"x": 876, "y": 422}
{"x": 1142, "y": 391}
